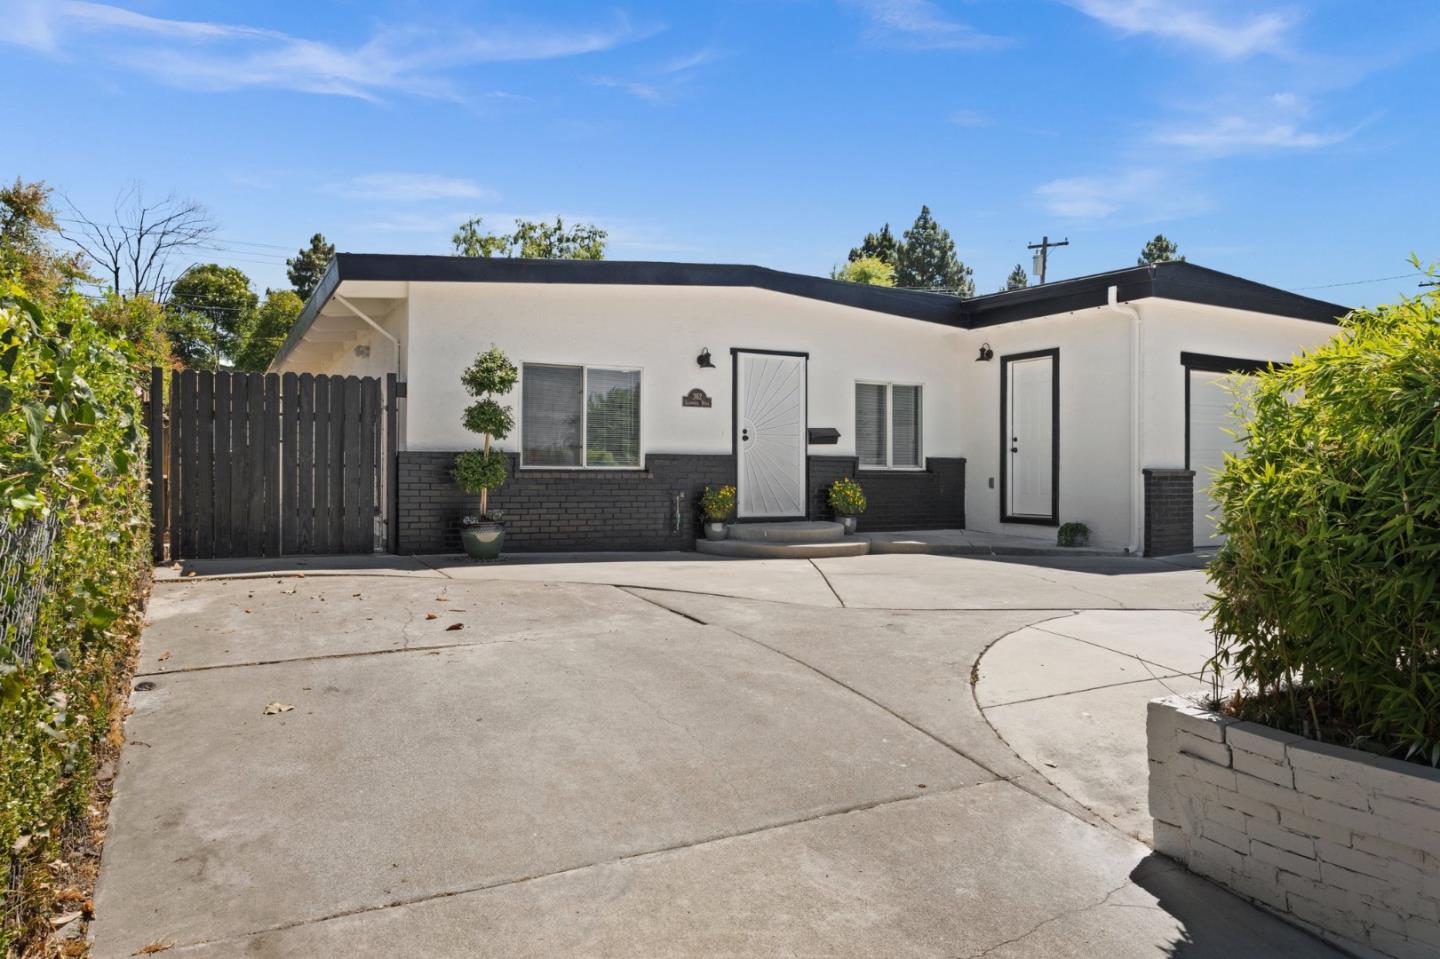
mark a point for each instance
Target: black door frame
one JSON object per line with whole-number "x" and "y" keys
{"x": 1005, "y": 516}
{"x": 735, "y": 431}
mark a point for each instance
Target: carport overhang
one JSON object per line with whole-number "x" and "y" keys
{"x": 339, "y": 316}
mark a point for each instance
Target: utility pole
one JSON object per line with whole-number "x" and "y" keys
{"x": 1042, "y": 258}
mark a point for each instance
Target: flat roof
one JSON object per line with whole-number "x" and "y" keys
{"x": 1174, "y": 280}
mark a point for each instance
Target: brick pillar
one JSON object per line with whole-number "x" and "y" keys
{"x": 1169, "y": 511}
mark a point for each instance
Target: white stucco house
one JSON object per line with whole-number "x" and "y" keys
{"x": 1094, "y": 399}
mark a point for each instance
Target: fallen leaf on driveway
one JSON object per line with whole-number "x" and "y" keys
{"x": 432, "y": 615}
{"x": 274, "y": 708}
{"x": 355, "y": 595}
{"x": 454, "y": 626}
{"x": 300, "y": 575}
{"x": 165, "y": 655}
{"x": 158, "y": 945}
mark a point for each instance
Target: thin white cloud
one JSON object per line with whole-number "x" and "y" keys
{"x": 1139, "y": 194}
{"x": 1229, "y": 135}
{"x": 637, "y": 89}
{"x": 1274, "y": 124}
{"x": 412, "y": 187}
{"x": 921, "y": 25}
{"x": 968, "y": 118}
{"x": 660, "y": 84}
{"x": 1196, "y": 23}
{"x": 206, "y": 55}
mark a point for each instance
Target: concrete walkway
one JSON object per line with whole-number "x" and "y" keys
{"x": 639, "y": 757}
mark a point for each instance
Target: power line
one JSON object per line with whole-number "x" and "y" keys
{"x": 1378, "y": 279}
{"x": 127, "y": 230}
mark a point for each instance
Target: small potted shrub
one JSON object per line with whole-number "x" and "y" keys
{"x": 1072, "y": 534}
{"x": 479, "y": 471}
{"x": 847, "y": 499}
{"x": 717, "y": 505}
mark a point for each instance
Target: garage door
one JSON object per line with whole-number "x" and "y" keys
{"x": 1212, "y": 412}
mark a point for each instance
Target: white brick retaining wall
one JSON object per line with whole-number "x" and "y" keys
{"x": 1342, "y": 842}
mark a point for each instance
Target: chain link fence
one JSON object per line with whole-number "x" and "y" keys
{"x": 24, "y": 552}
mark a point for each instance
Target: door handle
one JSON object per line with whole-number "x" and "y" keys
{"x": 1014, "y": 449}
{"x": 744, "y": 434}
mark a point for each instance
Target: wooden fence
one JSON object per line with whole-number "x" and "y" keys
{"x": 264, "y": 464}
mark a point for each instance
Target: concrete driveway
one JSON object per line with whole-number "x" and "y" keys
{"x": 637, "y": 756}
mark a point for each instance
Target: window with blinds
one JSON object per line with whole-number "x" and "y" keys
{"x": 888, "y": 426}
{"x": 578, "y": 416}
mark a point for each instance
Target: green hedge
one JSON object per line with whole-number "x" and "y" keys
{"x": 1327, "y": 601}
{"x": 71, "y": 460}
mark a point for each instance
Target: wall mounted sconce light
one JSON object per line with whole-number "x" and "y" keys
{"x": 986, "y": 354}
{"x": 704, "y": 359}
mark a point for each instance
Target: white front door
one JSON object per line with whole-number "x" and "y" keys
{"x": 1030, "y": 450}
{"x": 770, "y": 440}
{"x": 1212, "y": 420}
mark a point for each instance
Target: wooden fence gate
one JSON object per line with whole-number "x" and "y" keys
{"x": 264, "y": 464}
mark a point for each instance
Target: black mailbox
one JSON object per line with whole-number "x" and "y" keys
{"x": 824, "y": 435}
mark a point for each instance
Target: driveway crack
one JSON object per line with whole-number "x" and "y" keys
{"x": 833, "y": 590}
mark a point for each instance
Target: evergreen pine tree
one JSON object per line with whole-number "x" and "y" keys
{"x": 877, "y": 246}
{"x": 1017, "y": 280}
{"x": 1159, "y": 250}
{"x": 307, "y": 266}
{"x": 927, "y": 259}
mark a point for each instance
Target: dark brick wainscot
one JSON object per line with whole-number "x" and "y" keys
{"x": 1169, "y": 511}
{"x": 561, "y": 510}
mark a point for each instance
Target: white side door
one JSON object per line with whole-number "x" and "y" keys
{"x": 1030, "y": 467}
{"x": 1212, "y": 413}
{"x": 771, "y": 440}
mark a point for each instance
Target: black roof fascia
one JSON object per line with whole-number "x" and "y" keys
{"x": 1175, "y": 280}
{"x": 911, "y": 304}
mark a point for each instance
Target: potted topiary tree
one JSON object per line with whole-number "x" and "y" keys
{"x": 847, "y": 499}
{"x": 479, "y": 471}
{"x": 717, "y": 505}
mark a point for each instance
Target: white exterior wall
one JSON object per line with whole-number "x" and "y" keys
{"x": 1094, "y": 416}
{"x": 660, "y": 330}
{"x": 1172, "y": 327}
{"x": 1095, "y": 401}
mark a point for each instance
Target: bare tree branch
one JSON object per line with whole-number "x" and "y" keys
{"x": 137, "y": 247}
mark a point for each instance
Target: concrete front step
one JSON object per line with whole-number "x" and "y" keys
{"x": 763, "y": 549}
{"x": 795, "y": 531}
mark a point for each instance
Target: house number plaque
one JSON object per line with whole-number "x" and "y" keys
{"x": 696, "y": 397}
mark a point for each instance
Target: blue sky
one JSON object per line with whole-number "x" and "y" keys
{"x": 1293, "y": 143}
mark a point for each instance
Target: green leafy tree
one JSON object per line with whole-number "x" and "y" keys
{"x": 927, "y": 259}
{"x": 267, "y": 331}
{"x": 27, "y": 221}
{"x": 1017, "y": 280}
{"x": 472, "y": 239}
{"x": 880, "y": 246}
{"x": 1159, "y": 250}
{"x": 866, "y": 269}
{"x": 306, "y": 267}
{"x": 492, "y": 375}
{"x": 138, "y": 321}
{"x": 210, "y": 307}
{"x": 532, "y": 239}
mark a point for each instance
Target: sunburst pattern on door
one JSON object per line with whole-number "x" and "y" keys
{"x": 772, "y": 435}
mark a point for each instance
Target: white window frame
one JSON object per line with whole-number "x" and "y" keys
{"x": 584, "y": 414}
{"x": 890, "y": 385}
